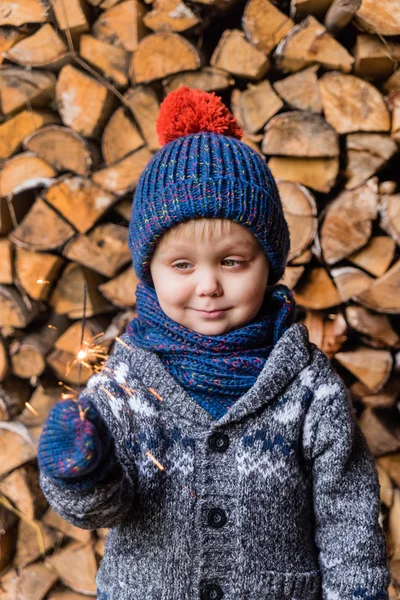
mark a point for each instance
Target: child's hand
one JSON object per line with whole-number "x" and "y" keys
{"x": 74, "y": 440}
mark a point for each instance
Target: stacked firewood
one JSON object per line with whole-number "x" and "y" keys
{"x": 315, "y": 85}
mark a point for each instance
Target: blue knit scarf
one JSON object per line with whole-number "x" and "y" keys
{"x": 214, "y": 370}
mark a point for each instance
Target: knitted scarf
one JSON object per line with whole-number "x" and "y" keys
{"x": 214, "y": 370}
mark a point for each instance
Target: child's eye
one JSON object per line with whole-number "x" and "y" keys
{"x": 178, "y": 265}
{"x": 233, "y": 260}
{"x": 181, "y": 266}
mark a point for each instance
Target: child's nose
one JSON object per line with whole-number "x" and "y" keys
{"x": 208, "y": 283}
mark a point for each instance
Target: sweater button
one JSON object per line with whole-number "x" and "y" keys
{"x": 211, "y": 591}
{"x": 216, "y": 517}
{"x": 218, "y": 441}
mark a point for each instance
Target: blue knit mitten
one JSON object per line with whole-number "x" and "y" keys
{"x": 76, "y": 451}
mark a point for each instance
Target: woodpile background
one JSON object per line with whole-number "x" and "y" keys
{"x": 315, "y": 84}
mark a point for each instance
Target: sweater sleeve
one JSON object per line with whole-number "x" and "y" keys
{"x": 348, "y": 535}
{"x": 103, "y": 498}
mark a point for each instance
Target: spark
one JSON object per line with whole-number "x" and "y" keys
{"x": 44, "y": 281}
{"x": 155, "y": 461}
{"x": 31, "y": 409}
{"x": 154, "y": 393}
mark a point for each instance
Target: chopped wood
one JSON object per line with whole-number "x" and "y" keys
{"x": 380, "y": 438}
{"x": 237, "y": 56}
{"x": 16, "y": 447}
{"x": 371, "y": 367}
{"x": 20, "y": 88}
{"x": 123, "y": 176}
{"x": 207, "y": 79}
{"x": 265, "y": 25}
{"x": 63, "y": 148}
{"x": 376, "y": 256}
{"x": 302, "y": 8}
{"x": 79, "y": 200}
{"x": 291, "y": 276}
{"x": 309, "y": 43}
{"x": 375, "y": 59}
{"x": 317, "y": 173}
{"x": 76, "y": 566}
{"x": 74, "y": 92}
{"x": 382, "y": 295}
{"x": 391, "y": 465}
{"x": 352, "y": 104}
{"x": 382, "y": 18}
{"x": 317, "y": 291}
{"x": 22, "y": 488}
{"x": 41, "y": 229}
{"x": 13, "y": 395}
{"x": 121, "y": 25}
{"x": 31, "y": 536}
{"x": 328, "y": 333}
{"x": 36, "y": 271}
{"x": 170, "y": 15}
{"x": 14, "y": 312}
{"x": 394, "y": 105}
{"x": 66, "y": 595}
{"x": 384, "y": 398}
{"x": 8, "y": 37}
{"x": 301, "y": 90}
{"x": 12, "y": 210}
{"x": 105, "y": 249}
{"x": 34, "y": 582}
{"x": 257, "y": 104}
{"x": 340, "y": 13}
{"x": 350, "y": 281}
{"x": 45, "y": 48}
{"x": 161, "y": 54}
{"x": 389, "y": 210}
{"x": 41, "y": 401}
{"x": 4, "y": 363}
{"x": 110, "y": 60}
{"x": 348, "y": 222}
{"x": 366, "y": 154}
{"x": 6, "y": 261}
{"x": 121, "y": 290}
{"x": 300, "y": 211}
{"x": 24, "y": 171}
{"x": 71, "y": 15}
{"x": 385, "y": 487}
{"x": 23, "y": 11}
{"x": 120, "y": 137}
{"x": 393, "y": 83}
{"x": 14, "y": 131}
{"x": 9, "y": 532}
{"x": 300, "y": 133}
{"x": 52, "y": 519}
{"x": 123, "y": 208}
{"x": 144, "y": 105}
{"x": 370, "y": 324}
{"x": 387, "y": 187}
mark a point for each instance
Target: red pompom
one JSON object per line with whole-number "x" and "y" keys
{"x": 186, "y": 111}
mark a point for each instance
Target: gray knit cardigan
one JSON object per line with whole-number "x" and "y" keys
{"x": 276, "y": 500}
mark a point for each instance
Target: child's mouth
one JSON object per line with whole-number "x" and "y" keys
{"x": 212, "y": 314}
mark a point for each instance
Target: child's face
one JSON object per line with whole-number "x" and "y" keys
{"x": 193, "y": 274}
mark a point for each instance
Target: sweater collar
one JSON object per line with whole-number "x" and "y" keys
{"x": 288, "y": 357}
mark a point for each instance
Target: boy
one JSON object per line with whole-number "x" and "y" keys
{"x": 218, "y": 444}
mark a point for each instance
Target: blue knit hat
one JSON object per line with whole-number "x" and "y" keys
{"x": 205, "y": 172}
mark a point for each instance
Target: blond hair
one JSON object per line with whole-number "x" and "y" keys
{"x": 202, "y": 228}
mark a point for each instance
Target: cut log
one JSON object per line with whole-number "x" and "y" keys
{"x": 340, "y": 13}
{"x": 328, "y": 333}
{"x": 300, "y": 133}
{"x": 12, "y": 210}
{"x": 350, "y": 281}
{"x": 382, "y": 18}
{"x": 121, "y": 290}
{"x": 393, "y": 83}
{"x": 292, "y": 276}
{"x": 6, "y": 261}
{"x": 170, "y": 15}
{"x": 63, "y": 148}
{"x": 317, "y": 173}
{"x": 31, "y": 536}
{"x": 44, "y": 48}
{"x": 309, "y": 43}
{"x": 23, "y": 11}
{"x": 161, "y": 54}
{"x": 15, "y": 130}
{"x": 79, "y": 200}
{"x": 375, "y": 59}
{"x": 301, "y": 90}
{"x": 16, "y": 447}
{"x": 376, "y": 256}
{"x": 302, "y": 8}
{"x": 41, "y": 229}
{"x": 78, "y": 337}
{"x": 375, "y": 326}
{"x": 34, "y": 582}
{"x": 75, "y": 91}
{"x": 110, "y": 60}
{"x": 366, "y": 154}
{"x": 23, "y": 172}
{"x": 105, "y": 249}
{"x": 265, "y": 25}
{"x": 389, "y": 210}
{"x": 380, "y": 438}
{"x": 144, "y": 105}
{"x": 385, "y": 398}
{"x": 13, "y": 395}
{"x": 394, "y": 105}
{"x": 20, "y": 88}
{"x": 300, "y": 211}
{"x": 9, "y": 532}
{"x": 382, "y": 296}
{"x": 237, "y": 56}
{"x": 66, "y": 367}
{"x": 207, "y": 79}
{"x": 71, "y": 15}
{"x": 4, "y": 363}
{"x": 352, "y": 104}
{"x": 52, "y": 519}
{"x": 67, "y": 298}
{"x": 391, "y": 465}
{"x": 8, "y": 37}
{"x": 121, "y": 25}
{"x": 387, "y": 187}
{"x": 40, "y": 403}
{"x": 66, "y": 595}
{"x": 257, "y": 104}
{"x": 36, "y": 272}
{"x": 76, "y": 567}
{"x": 123, "y": 208}
{"x": 348, "y": 222}
{"x": 14, "y": 312}
{"x": 371, "y": 367}
{"x": 21, "y": 487}
{"x": 120, "y": 137}
{"x": 317, "y": 291}
{"x": 123, "y": 176}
